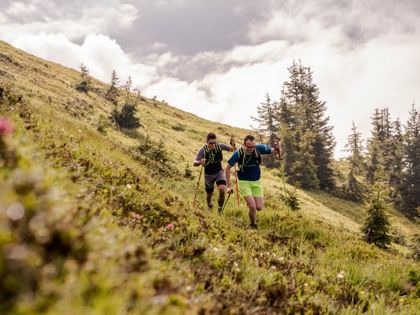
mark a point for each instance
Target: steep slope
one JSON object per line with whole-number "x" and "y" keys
{"x": 106, "y": 228}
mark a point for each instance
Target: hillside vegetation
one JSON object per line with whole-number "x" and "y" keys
{"x": 91, "y": 222}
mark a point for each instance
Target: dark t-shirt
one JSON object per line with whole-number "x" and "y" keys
{"x": 212, "y": 167}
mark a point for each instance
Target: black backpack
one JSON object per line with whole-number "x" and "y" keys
{"x": 213, "y": 156}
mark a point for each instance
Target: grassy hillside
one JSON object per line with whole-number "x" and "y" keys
{"x": 90, "y": 225}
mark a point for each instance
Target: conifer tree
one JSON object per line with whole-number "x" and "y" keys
{"x": 354, "y": 146}
{"x": 302, "y": 119}
{"x": 127, "y": 88}
{"x": 289, "y": 136}
{"x": 411, "y": 180}
{"x": 126, "y": 117}
{"x": 267, "y": 119}
{"x": 305, "y": 170}
{"x": 375, "y": 163}
{"x": 376, "y": 226}
{"x": 113, "y": 92}
{"x": 268, "y": 125}
{"x": 85, "y": 83}
{"x": 112, "y": 96}
{"x": 396, "y": 162}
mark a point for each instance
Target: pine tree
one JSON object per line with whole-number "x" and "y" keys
{"x": 127, "y": 88}
{"x": 85, "y": 83}
{"x": 396, "y": 162}
{"x": 127, "y": 118}
{"x": 354, "y": 146}
{"x": 305, "y": 168}
{"x": 376, "y": 226}
{"x": 410, "y": 190}
{"x": 267, "y": 119}
{"x": 375, "y": 163}
{"x": 268, "y": 126}
{"x": 113, "y": 92}
{"x": 289, "y": 136}
{"x": 302, "y": 121}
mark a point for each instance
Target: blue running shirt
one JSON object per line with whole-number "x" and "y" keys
{"x": 251, "y": 168}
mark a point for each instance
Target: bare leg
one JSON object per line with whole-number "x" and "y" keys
{"x": 259, "y": 202}
{"x": 252, "y": 209}
{"x": 222, "y": 190}
{"x": 209, "y": 195}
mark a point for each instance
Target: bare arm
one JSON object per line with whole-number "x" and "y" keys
{"x": 276, "y": 148}
{"x": 199, "y": 159}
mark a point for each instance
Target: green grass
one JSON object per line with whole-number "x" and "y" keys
{"x": 116, "y": 205}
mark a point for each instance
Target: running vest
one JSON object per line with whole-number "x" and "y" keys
{"x": 251, "y": 160}
{"x": 213, "y": 158}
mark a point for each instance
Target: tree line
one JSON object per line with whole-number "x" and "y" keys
{"x": 390, "y": 161}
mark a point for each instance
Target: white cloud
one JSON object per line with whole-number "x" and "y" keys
{"x": 36, "y": 17}
{"x": 20, "y": 9}
{"x": 98, "y": 52}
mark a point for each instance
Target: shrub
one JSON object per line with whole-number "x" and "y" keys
{"x": 188, "y": 172}
{"x": 126, "y": 117}
{"x": 83, "y": 86}
{"x": 153, "y": 151}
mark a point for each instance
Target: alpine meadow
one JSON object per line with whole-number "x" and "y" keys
{"x": 97, "y": 185}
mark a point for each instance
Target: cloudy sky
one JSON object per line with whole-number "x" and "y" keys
{"x": 219, "y": 58}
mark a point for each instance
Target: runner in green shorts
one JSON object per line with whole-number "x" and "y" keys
{"x": 248, "y": 158}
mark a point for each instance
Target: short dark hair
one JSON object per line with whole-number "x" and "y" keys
{"x": 211, "y": 135}
{"x": 249, "y": 137}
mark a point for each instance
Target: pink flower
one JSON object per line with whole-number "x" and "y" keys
{"x": 5, "y": 127}
{"x": 170, "y": 227}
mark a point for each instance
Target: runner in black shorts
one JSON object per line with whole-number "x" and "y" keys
{"x": 210, "y": 156}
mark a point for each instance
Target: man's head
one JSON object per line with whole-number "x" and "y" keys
{"x": 211, "y": 139}
{"x": 249, "y": 143}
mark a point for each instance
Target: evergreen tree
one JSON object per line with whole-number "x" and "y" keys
{"x": 410, "y": 190}
{"x": 375, "y": 163}
{"x": 396, "y": 162}
{"x": 268, "y": 126}
{"x": 112, "y": 96}
{"x": 305, "y": 170}
{"x": 267, "y": 119}
{"x": 289, "y": 136}
{"x": 84, "y": 71}
{"x": 127, "y": 88}
{"x": 302, "y": 120}
{"x": 354, "y": 146}
{"x": 126, "y": 118}
{"x": 376, "y": 226}
{"x": 113, "y": 92}
{"x": 85, "y": 83}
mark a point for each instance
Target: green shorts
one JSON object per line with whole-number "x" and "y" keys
{"x": 251, "y": 188}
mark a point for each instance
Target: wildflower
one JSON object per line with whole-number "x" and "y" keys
{"x": 5, "y": 127}
{"x": 170, "y": 227}
{"x": 15, "y": 211}
{"x": 340, "y": 275}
